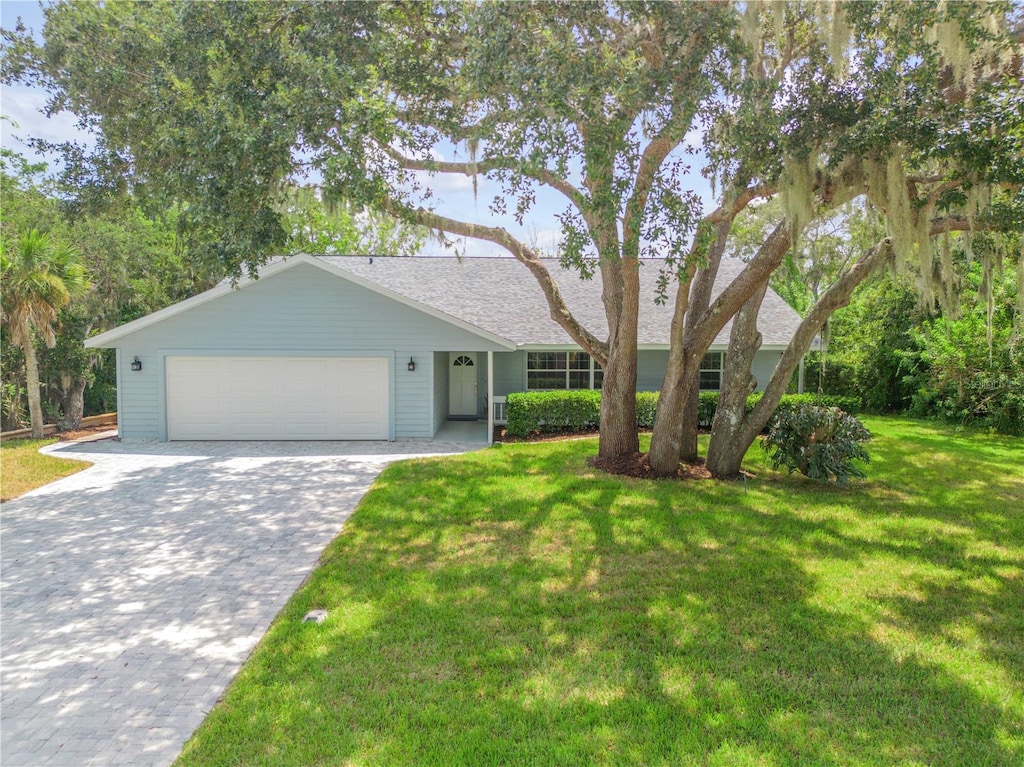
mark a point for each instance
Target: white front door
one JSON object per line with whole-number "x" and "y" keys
{"x": 462, "y": 384}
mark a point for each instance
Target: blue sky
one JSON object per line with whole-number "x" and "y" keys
{"x": 453, "y": 195}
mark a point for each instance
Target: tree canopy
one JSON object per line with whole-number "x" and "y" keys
{"x": 918, "y": 107}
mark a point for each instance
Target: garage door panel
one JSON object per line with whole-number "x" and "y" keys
{"x": 315, "y": 398}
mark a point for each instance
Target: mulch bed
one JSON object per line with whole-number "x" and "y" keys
{"x": 500, "y": 435}
{"x": 85, "y": 432}
{"x": 639, "y": 465}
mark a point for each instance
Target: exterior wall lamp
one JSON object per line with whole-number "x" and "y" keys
{"x": 136, "y": 365}
{"x": 411, "y": 365}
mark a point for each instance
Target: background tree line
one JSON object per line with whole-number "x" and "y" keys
{"x": 962, "y": 362}
{"x": 132, "y": 263}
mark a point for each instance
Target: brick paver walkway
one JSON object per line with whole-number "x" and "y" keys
{"x": 131, "y": 593}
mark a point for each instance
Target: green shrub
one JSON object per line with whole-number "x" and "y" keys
{"x": 544, "y": 412}
{"x": 791, "y": 401}
{"x": 707, "y": 404}
{"x": 550, "y": 412}
{"x": 819, "y": 442}
{"x": 646, "y": 408}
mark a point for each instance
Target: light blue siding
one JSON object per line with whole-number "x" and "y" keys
{"x": 509, "y": 372}
{"x": 304, "y": 311}
{"x": 764, "y": 365}
{"x": 298, "y": 312}
{"x": 650, "y": 369}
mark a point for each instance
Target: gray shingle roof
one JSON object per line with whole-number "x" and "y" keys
{"x": 500, "y": 295}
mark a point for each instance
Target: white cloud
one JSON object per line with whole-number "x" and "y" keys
{"x": 694, "y": 138}
{"x": 22, "y": 107}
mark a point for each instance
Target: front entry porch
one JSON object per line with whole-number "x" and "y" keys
{"x": 463, "y": 431}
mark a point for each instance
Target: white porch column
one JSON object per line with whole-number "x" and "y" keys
{"x": 800, "y": 378}
{"x": 490, "y": 397}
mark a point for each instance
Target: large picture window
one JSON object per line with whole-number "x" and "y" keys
{"x": 711, "y": 371}
{"x": 562, "y": 370}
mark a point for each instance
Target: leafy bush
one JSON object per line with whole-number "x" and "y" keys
{"x": 964, "y": 380}
{"x": 646, "y": 408}
{"x": 792, "y": 401}
{"x": 544, "y": 412}
{"x": 707, "y": 404}
{"x": 550, "y": 412}
{"x": 819, "y": 442}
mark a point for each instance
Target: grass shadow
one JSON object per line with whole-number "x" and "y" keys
{"x": 515, "y": 607}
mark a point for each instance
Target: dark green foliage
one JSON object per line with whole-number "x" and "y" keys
{"x": 872, "y": 346}
{"x": 891, "y": 354}
{"x": 819, "y": 442}
{"x": 646, "y": 407}
{"x": 964, "y": 374}
{"x": 551, "y": 412}
{"x": 707, "y": 404}
{"x": 794, "y": 401}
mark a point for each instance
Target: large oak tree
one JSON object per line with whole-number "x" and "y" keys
{"x": 917, "y": 106}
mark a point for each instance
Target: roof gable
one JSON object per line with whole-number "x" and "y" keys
{"x": 271, "y": 269}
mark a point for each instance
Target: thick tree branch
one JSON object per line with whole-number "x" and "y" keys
{"x": 836, "y": 297}
{"x": 831, "y": 194}
{"x": 470, "y": 169}
{"x": 733, "y": 208}
{"x": 654, "y": 154}
{"x": 729, "y": 301}
{"x": 560, "y": 313}
{"x": 944, "y": 224}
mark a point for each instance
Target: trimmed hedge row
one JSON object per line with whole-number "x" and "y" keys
{"x": 545, "y": 412}
{"x": 552, "y": 412}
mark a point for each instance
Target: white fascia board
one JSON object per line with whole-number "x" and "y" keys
{"x": 104, "y": 340}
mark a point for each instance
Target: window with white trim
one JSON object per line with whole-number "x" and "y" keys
{"x": 562, "y": 370}
{"x": 711, "y": 371}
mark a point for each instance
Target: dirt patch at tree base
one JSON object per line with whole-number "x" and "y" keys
{"x": 639, "y": 465}
{"x": 87, "y": 433}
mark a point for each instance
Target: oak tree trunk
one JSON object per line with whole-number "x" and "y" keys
{"x": 621, "y": 295}
{"x": 700, "y": 300}
{"x": 685, "y": 354}
{"x": 726, "y": 457}
{"x": 618, "y": 404}
{"x": 726, "y": 448}
{"x": 666, "y": 436}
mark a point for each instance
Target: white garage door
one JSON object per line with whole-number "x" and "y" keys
{"x": 277, "y": 398}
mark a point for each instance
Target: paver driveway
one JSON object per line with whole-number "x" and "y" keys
{"x": 132, "y": 592}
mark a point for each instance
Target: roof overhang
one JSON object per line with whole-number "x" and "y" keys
{"x": 109, "y": 338}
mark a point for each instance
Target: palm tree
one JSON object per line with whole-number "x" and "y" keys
{"x": 38, "y": 278}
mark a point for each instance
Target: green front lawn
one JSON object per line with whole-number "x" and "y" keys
{"x": 513, "y": 607}
{"x": 24, "y": 468}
